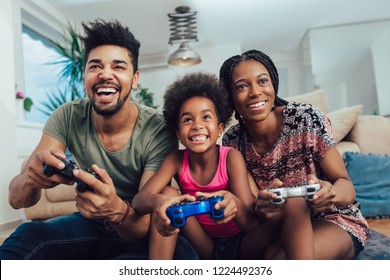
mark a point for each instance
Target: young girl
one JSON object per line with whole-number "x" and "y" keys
{"x": 288, "y": 144}
{"x": 196, "y": 109}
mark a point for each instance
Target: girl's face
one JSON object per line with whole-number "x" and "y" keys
{"x": 199, "y": 128}
{"x": 252, "y": 90}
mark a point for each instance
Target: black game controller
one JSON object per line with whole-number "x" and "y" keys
{"x": 67, "y": 172}
{"x": 178, "y": 213}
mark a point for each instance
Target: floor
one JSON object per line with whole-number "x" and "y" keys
{"x": 380, "y": 225}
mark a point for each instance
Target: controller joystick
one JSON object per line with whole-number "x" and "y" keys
{"x": 306, "y": 191}
{"x": 67, "y": 172}
{"x": 178, "y": 213}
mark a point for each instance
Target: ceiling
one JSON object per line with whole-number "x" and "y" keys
{"x": 269, "y": 25}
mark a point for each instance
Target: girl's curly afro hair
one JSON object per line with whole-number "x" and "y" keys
{"x": 192, "y": 85}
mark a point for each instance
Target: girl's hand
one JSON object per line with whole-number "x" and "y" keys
{"x": 228, "y": 204}
{"x": 324, "y": 199}
{"x": 265, "y": 209}
{"x": 159, "y": 216}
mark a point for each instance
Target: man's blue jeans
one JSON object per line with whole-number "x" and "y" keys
{"x": 72, "y": 237}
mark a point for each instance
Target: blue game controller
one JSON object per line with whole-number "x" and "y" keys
{"x": 178, "y": 213}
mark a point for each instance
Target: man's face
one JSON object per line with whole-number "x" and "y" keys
{"x": 109, "y": 78}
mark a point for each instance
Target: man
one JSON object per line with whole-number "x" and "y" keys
{"x": 122, "y": 142}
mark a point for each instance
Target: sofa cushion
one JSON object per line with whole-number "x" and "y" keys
{"x": 316, "y": 98}
{"x": 347, "y": 146}
{"x": 61, "y": 192}
{"x": 370, "y": 174}
{"x": 343, "y": 120}
{"x": 372, "y": 134}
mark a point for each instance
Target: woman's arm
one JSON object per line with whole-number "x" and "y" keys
{"x": 339, "y": 190}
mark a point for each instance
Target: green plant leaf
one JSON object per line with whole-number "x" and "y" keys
{"x": 27, "y": 104}
{"x": 144, "y": 96}
{"x": 56, "y": 99}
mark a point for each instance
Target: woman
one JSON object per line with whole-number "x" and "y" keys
{"x": 291, "y": 144}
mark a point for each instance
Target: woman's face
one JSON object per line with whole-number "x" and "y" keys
{"x": 252, "y": 90}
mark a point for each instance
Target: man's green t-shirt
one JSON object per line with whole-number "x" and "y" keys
{"x": 73, "y": 125}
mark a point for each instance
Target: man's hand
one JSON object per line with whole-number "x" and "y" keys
{"x": 103, "y": 201}
{"x": 33, "y": 172}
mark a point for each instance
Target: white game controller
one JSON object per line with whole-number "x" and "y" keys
{"x": 306, "y": 191}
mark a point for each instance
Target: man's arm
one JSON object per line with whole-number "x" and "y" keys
{"x": 25, "y": 188}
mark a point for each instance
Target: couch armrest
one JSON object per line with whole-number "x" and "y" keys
{"x": 371, "y": 134}
{"x": 54, "y": 202}
{"x": 347, "y": 146}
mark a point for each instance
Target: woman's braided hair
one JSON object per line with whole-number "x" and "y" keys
{"x": 225, "y": 78}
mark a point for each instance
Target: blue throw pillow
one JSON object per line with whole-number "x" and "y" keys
{"x": 370, "y": 174}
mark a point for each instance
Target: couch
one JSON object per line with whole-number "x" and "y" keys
{"x": 362, "y": 140}
{"x": 353, "y": 132}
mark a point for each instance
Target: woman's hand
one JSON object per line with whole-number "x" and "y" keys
{"x": 264, "y": 208}
{"x": 325, "y": 198}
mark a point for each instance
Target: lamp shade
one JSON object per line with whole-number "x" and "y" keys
{"x": 184, "y": 56}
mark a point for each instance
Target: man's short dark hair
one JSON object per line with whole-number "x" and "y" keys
{"x": 100, "y": 32}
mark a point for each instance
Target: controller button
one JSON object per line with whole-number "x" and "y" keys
{"x": 277, "y": 200}
{"x": 311, "y": 189}
{"x": 177, "y": 211}
{"x": 179, "y": 220}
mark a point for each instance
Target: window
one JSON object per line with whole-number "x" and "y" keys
{"x": 40, "y": 77}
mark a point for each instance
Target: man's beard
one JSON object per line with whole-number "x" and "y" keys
{"x": 109, "y": 111}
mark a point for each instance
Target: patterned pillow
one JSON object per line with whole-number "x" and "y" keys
{"x": 370, "y": 174}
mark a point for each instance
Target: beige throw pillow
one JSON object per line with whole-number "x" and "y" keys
{"x": 343, "y": 120}
{"x": 316, "y": 98}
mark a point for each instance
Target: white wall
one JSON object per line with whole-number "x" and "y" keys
{"x": 157, "y": 78}
{"x": 8, "y": 148}
{"x": 362, "y": 80}
{"x": 351, "y": 62}
{"x": 290, "y": 67}
{"x": 17, "y": 138}
{"x": 381, "y": 58}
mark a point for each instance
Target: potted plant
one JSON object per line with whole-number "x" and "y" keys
{"x": 23, "y": 104}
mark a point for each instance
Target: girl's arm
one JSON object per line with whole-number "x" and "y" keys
{"x": 145, "y": 199}
{"x": 240, "y": 187}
